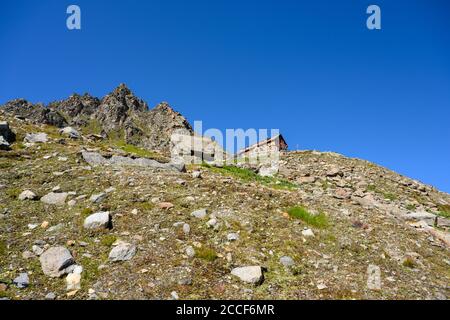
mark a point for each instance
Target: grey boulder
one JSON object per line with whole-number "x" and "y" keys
{"x": 122, "y": 252}
{"x": 53, "y": 198}
{"x": 99, "y": 220}
{"x": 249, "y": 274}
{"x": 22, "y": 281}
{"x": 56, "y": 261}
{"x": 70, "y": 132}
{"x": 36, "y": 137}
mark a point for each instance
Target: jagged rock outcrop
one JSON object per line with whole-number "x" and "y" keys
{"x": 77, "y": 109}
{"x": 36, "y": 113}
{"x": 119, "y": 115}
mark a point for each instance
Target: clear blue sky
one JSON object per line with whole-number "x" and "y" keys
{"x": 310, "y": 68}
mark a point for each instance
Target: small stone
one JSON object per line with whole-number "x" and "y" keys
{"x": 321, "y": 286}
{"x": 22, "y": 281}
{"x": 174, "y": 295}
{"x": 250, "y": 274}
{"x": 334, "y": 171}
{"x": 233, "y": 237}
{"x": 186, "y": 228}
{"x": 27, "y": 195}
{"x": 212, "y": 222}
{"x": 308, "y": 233}
{"x": 287, "y": 261}
{"x": 110, "y": 190}
{"x": 97, "y": 198}
{"x": 165, "y": 205}
{"x": 122, "y": 252}
{"x": 71, "y": 203}
{"x": 56, "y": 228}
{"x": 134, "y": 211}
{"x": 200, "y": 214}
{"x": 190, "y": 252}
{"x": 342, "y": 193}
{"x": 44, "y": 224}
{"x": 73, "y": 281}
{"x": 196, "y": 174}
{"x": 37, "y": 250}
{"x": 71, "y": 293}
{"x": 373, "y": 277}
{"x": 50, "y": 296}
{"x": 97, "y": 221}
{"x": 27, "y": 255}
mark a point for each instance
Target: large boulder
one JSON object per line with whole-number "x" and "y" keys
{"x": 36, "y": 137}
{"x": 55, "y": 262}
{"x": 96, "y": 159}
{"x": 70, "y": 132}
{"x": 27, "y": 195}
{"x": 57, "y": 199}
{"x": 99, "y": 220}
{"x": 428, "y": 217}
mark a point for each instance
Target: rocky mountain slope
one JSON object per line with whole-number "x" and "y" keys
{"x": 89, "y": 217}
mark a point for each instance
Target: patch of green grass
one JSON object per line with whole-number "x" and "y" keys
{"x": 3, "y": 248}
{"x": 13, "y": 192}
{"x": 90, "y": 270}
{"x": 444, "y": 211}
{"x": 206, "y": 253}
{"x": 92, "y": 127}
{"x": 140, "y": 152}
{"x": 251, "y": 176}
{"x": 108, "y": 240}
{"x": 5, "y": 164}
{"x": 409, "y": 263}
{"x": 319, "y": 220}
{"x": 386, "y": 194}
{"x": 411, "y": 207}
{"x": 389, "y": 196}
{"x": 86, "y": 212}
{"x": 145, "y": 206}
